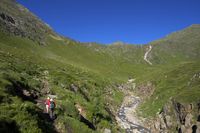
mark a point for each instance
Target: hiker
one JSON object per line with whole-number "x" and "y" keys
{"x": 52, "y": 107}
{"x": 47, "y": 103}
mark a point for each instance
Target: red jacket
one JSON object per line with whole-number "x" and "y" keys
{"x": 47, "y": 102}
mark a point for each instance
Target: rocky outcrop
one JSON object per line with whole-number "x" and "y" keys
{"x": 17, "y": 20}
{"x": 126, "y": 87}
{"x": 83, "y": 116}
{"x": 45, "y": 87}
{"x": 145, "y": 90}
{"x": 176, "y": 117}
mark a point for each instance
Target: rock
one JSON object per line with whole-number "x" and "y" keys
{"x": 162, "y": 124}
{"x": 183, "y": 130}
{"x": 180, "y": 112}
{"x": 188, "y": 130}
{"x": 26, "y": 93}
{"x": 168, "y": 121}
{"x": 131, "y": 80}
{"x": 45, "y": 87}
{"x": 7, "y": 18}
{"x": 73, "y": 88}
{"x": 17, "y": 20}
{"x": 46, "y": 72}
{"x": 135, "y": 131}
{"x": 175, "y": 115}
{"x": 188, "y": 120}
{"x": 52, "y": 96}
{"x": 157, "y": 124}
{"x": 198, "y": 127}
{"x": 106, "y": 130}
{"x": 32, "y": 94}
{"x": 80, "y": 109}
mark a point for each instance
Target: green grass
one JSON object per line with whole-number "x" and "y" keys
{"x": 95, "y": 73}
{"x": 95, "y": 69}
{"x": 24, "y": 62}
{"x": 172, "y": 83}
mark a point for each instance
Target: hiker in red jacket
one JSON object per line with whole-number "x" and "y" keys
{"x": 47, "y": 103}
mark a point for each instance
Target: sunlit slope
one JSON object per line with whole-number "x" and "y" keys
{"x": 104, "y": 63}
{"x": 183, "y": 45}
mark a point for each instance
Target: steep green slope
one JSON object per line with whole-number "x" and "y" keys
{"x": 23, "y": 70}
{"x": 179, "y": 46}
{"x": 104, "y": 63}
{"x": 110, "y": 65}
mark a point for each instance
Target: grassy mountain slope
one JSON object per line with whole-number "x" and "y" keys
{"x": 176, "y": 82}
{"x": 179, "y": 46}
{"x": 94, "y": 69}
{"x": 23, "y": 69}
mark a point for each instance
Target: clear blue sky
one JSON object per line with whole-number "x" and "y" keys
{"x": 107, "y": 21}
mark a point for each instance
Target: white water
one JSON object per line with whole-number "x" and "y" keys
{"x": 146, "y": 55}
{"x": 127, "y": 118}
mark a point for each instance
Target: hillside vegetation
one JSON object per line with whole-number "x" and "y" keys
{"x": 24, "y": 70}
{"x": 35, "y": 62}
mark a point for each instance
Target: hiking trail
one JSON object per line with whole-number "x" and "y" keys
{"x": 146, "y": 55}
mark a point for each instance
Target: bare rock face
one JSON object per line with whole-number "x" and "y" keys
{"x": 176, "y": 117}
{"x": 169, "y": 123}
{"x": 7, "y": 18}
{"x": 156, "y": 125}
{"x": 188, "y": 120}
{"x": 17, "y": 20}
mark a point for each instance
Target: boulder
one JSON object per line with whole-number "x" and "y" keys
{"x": 106, "y": 130}
{"x": 168, "y": 121}
{"x": 26, "y": 93}
{"x": 73, "y": 88}
{"x": 45, "y": 87}
{"x": 157, "y": 124}
{"x": 188, "y": 120}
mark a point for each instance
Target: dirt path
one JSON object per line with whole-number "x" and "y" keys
{"x": 146, "y": 55}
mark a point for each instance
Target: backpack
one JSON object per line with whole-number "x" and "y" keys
{"x": 52, "y": 105}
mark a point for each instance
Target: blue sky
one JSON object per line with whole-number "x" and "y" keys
{"x": 107, "y": 21}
